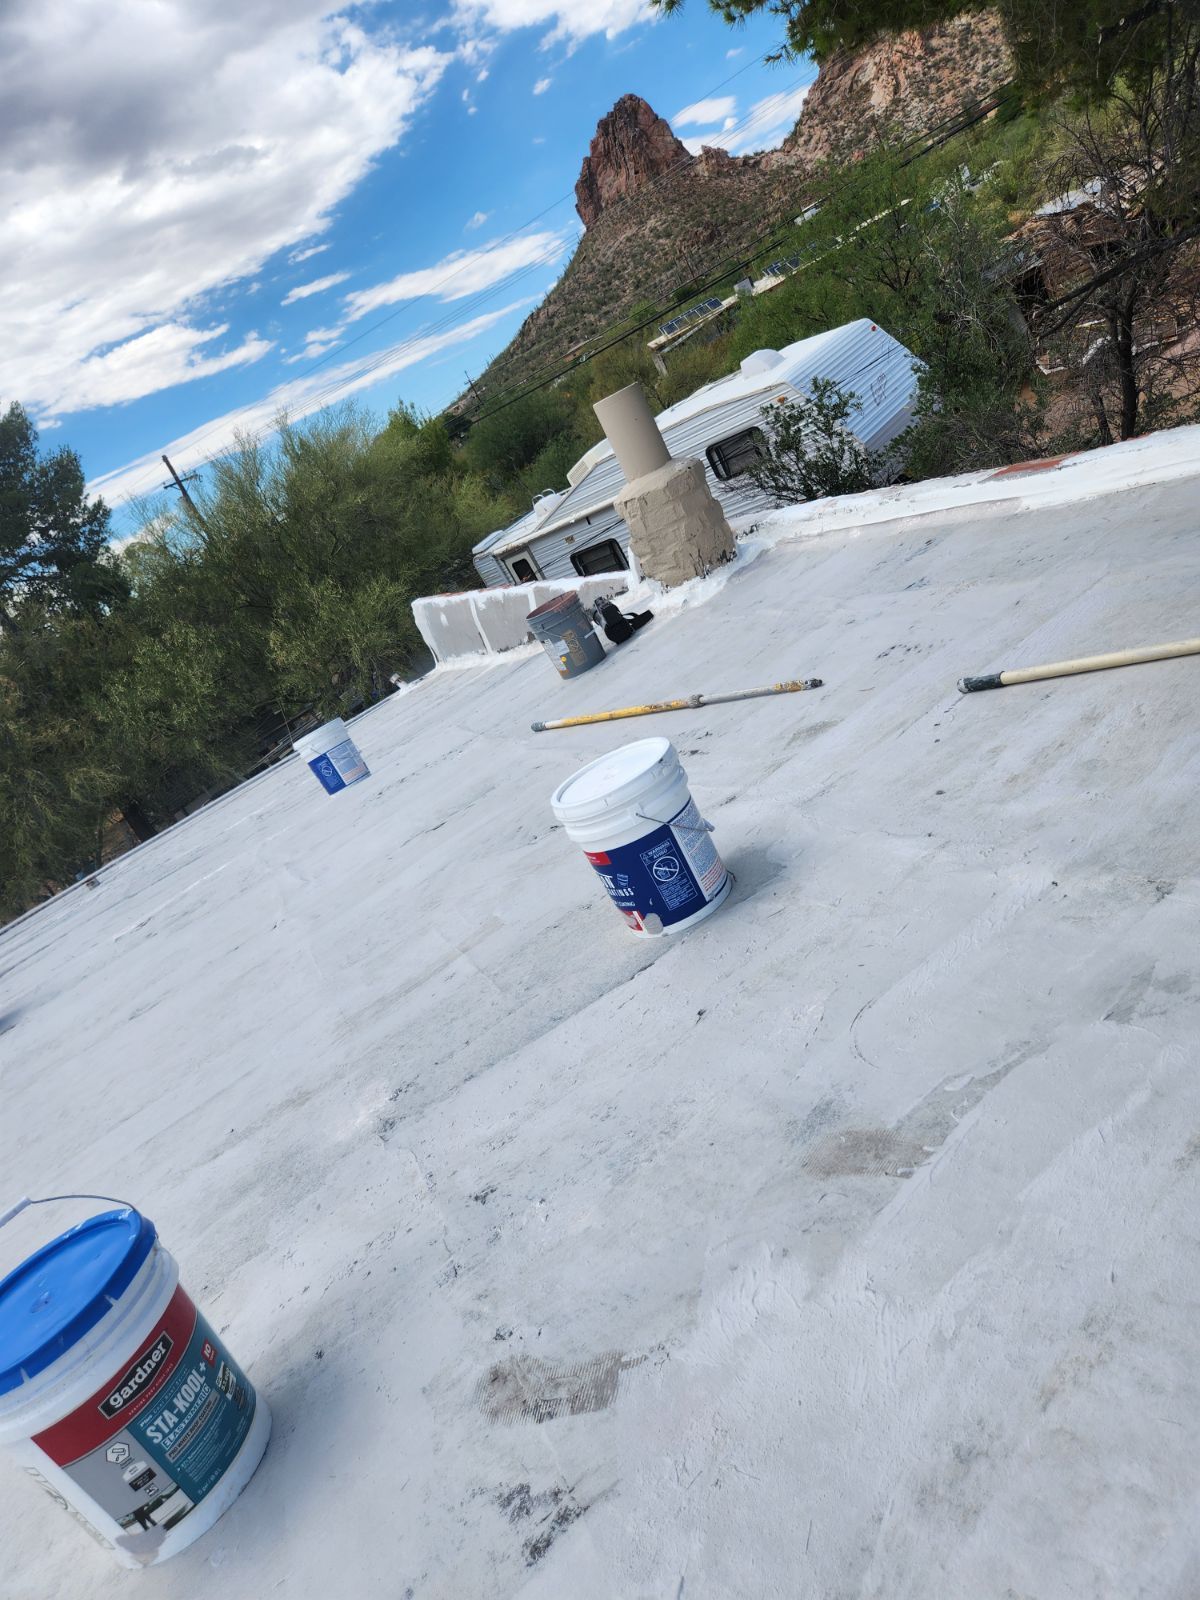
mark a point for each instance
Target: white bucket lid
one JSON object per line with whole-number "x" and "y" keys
{"x": 318, "y": 740}
{"x": 611, "y": 781}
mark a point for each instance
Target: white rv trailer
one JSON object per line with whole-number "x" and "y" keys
{"x": 579, "y": 533}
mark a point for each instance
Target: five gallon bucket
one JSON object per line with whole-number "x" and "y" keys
{"x": 565, "y": 632}
{"x": 635, "y": 818}
{"x": 333, "y": 755}
{"x": 116, "y": 1395}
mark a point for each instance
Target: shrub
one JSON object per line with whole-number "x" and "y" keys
{"x": 810, "y": 451}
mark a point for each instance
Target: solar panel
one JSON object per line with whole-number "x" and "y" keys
{"x": 714, "y": 304}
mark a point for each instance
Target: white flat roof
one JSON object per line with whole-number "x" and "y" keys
{"x": 845, "y": 1245}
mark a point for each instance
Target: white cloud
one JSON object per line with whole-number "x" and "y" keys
{"x": 460, "y": 274}
{"x": 482, "y": 75}
{"x": 732, "y": 55}
{"x": 542, "y": 85}
{"x": 478, "y": 220}
{"x": 570, "y": 21}
{"x": 472, "y": 111}
{"x": 765, "y": 125}
{"x": 306, "y": 255}
{"x": 302, "y": 291}
{"x": 166, "y": 355}
{"x": 316, "y": 343}
{"x": 225, "y": 133}
{"x": 703, "y": 113}
{"x": 299, "y": 397}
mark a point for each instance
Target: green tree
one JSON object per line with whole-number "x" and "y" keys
{"x": 58, "y": 777}
{"x": 1084, "y": 45}
{"x": 506, "y": 441}
{"x": 53, "y": 539}
{"x": 1121, "y": 261}
{"x": 809, "y": 449}
{"x": 912, "y": 249}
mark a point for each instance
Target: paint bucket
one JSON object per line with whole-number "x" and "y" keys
{"x": 106, "y": 1367}
{"x": 634, "y": 816}
{"x": 333, "y": 755}
{"x": 565, "y": 632}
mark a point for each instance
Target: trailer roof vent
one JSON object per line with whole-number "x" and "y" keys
{"x": 761, "y": 361}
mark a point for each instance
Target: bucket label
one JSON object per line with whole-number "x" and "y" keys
{"x": 158, "y": 1437}
{"x": 340, "y": 766}
{"x": 559, "y": 652}
{"x": 669, "y": 873}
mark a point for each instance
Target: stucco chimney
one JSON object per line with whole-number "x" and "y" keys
{"x": 677, "y": 530}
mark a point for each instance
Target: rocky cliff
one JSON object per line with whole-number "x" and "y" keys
{"x": 659, "y": 222}
{"x": 632, "y": 145}
{"x": 902, "y": 82}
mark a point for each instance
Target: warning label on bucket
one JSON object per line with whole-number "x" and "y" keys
{"x": 157, "y": 1438}
{"x": 339, "y": 767}
{"x": 698, "y": 848}
{"x": 671, "y": 872}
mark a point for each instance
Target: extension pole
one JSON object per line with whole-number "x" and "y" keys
{"x": 795, "y": 686}
{"x": 1064, "y": 669}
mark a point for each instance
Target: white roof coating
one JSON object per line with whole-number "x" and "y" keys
{"x": 844, "y": 1246}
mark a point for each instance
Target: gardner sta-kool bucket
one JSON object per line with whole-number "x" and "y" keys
{"x": 333, "y": 755}
{"x": 634, "y": 816}
{"x": 116, "y": 1395}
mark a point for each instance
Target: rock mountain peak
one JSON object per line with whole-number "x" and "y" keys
{"x": 631, "y": 146}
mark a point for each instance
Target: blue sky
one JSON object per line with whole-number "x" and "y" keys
{"x": 215, "y": 208}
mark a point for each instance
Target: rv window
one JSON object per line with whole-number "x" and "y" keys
{"x": 606, "y": 557}
{"x": 522, "y": 570}
{"x": 730, "y": 457}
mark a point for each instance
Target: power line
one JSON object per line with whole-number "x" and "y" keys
{"x": 435, "y": 290}
{"x": 918, "y": 145}
{"x": 323, "y": 397}
{"x": 503, "y": 285}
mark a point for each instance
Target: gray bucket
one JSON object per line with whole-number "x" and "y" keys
{"x": 564, "y": 630}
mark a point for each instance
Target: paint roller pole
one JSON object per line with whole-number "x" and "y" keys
{"x": 796, "y": 686}
{"x": 1064, "y": 669}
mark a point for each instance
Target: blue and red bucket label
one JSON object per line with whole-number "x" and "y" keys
{"x": 340, "y": 767}
{"x": 162, "y": 1432}
{"x": 665, "y": 876}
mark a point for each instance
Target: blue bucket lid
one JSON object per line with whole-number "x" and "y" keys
{"x": 58, "y": 1295}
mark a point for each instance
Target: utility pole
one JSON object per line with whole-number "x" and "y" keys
{"x": 181, "y": 485}
{"x": 474, "y": 390}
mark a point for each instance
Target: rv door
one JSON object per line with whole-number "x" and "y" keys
{"x": 523, "y": 568}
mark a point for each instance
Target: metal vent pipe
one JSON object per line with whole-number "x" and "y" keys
{"x": 630, "y": 427}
